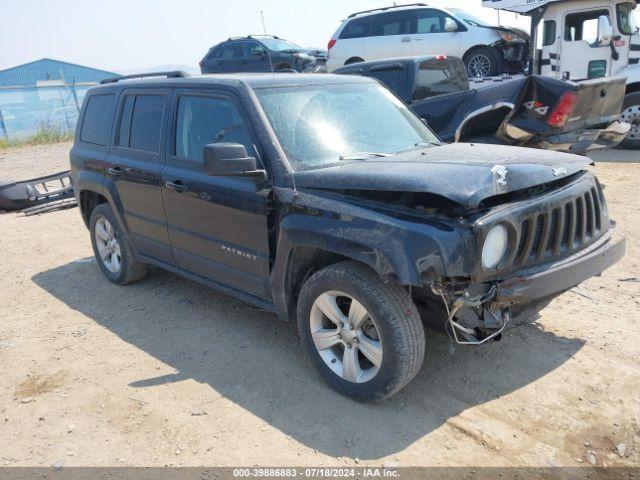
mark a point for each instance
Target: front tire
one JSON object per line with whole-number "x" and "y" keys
{"x": 112, "y": 249}
{"x": 365, "y": 337}
{"x": 482, "y": 62}
{"x": 631, "y": 114}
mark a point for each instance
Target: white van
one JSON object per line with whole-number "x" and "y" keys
{"x": 418, "y": 29}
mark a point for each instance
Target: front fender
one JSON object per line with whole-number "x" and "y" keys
{"x": 397, "y": 249}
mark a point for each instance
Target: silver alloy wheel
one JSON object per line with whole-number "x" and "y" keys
{"x": 349, "y": 344}
{"x": 632, "y": 115}
{"x": 479, "y": 65}
{"x": 108, "y": 246}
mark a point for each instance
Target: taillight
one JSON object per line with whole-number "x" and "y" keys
{"x": 201, "y": 63}
{"x": 331, "y": 43}
{"x": 563, "y": 109}
{"x": 441, "y": 57}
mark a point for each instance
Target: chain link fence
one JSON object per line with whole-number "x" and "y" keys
{"x": 51, "y": 110}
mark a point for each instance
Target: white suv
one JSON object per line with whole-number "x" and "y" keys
{"x": 417, "y": 29}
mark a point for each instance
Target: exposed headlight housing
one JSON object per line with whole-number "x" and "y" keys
{"x": 510, "y": 37}
{"x": 495, "y": 246}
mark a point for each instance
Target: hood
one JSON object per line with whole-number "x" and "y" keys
{"x": 463, "y": 173}
{"x": 516, "y": 31}
{"x": 315, "y": 52}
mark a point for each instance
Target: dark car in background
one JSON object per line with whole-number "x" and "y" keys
{"x": 258, "y": 53}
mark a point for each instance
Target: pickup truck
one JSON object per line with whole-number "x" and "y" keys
{"x": 325, "y": 199}
{"x": 532, "y": 111}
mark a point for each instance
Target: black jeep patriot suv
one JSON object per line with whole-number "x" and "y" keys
{"x": 326, "y": 200}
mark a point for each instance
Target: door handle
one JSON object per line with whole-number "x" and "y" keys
{"x": 405, "y": 39}
{"x": 115, "y": 171}
{"x": 178, "y": 186}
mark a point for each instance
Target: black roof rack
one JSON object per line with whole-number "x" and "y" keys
{"x": 252, "y": 36}
{"x": 388, "y": 8}
{"x": 173, "y": 74}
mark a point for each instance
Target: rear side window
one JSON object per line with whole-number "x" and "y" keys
{"x": 141, "y": 122}
{"x": 356, "y": 28}
{"x": 440, "y": 77}
{"x": 205, "y": 120}
{"x": 393, "y": 23}
{"x": 98, "y": 116}
{"x": 231, "y": 50}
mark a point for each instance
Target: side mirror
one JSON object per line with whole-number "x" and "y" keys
{"x": 605, "y": 32}
{"x": 229, "y": 160}
{"x": 450, "y": 25}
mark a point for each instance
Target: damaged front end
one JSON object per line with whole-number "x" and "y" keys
{"x": 554, "y": 242}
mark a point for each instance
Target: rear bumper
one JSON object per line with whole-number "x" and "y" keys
{"x": 578, "y": 141}
{"x": 555, "y": 278}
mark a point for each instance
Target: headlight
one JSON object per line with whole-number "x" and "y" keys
{"x": 495, "y": 246}
{"x": 510, "y": 37}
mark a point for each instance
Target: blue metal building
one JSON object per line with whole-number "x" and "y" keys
{"x": 48, "y": 70}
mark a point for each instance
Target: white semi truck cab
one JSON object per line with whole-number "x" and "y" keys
{"x": 585, "y": 39}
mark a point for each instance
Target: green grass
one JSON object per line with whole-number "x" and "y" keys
{"x": 47, "y": 133}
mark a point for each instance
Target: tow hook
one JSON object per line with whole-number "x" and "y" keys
{"x": 476, "y": 335}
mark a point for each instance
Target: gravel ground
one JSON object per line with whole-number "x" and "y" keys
{"x": 167, "y": 372}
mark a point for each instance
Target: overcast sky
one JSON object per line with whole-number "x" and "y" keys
{"x": 125, "y": 35}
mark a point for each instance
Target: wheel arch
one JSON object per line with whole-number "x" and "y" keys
{"x": 88, "y": 200}
{"x": 632, "y": 88}
{"x": 354, "y": 59}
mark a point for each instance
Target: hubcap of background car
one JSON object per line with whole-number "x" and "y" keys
{"x": 479, "y": 66}
{"x": 632, "y": 115}
{"x": 346, "y": 337}
{"x": 108, "y": 246}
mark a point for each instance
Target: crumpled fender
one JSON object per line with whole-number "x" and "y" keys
{"x": 398, "y": 250}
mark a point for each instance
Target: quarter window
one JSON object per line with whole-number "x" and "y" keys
{"x": 205, "y": 120}
{"x": 98, "y": 117}
{"x": 141, "y": 122}
{"x": 356, "y": 28}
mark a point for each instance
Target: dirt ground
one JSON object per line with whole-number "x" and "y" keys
{"x": 167, "y": 372}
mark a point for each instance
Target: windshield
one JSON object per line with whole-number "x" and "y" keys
{"x": 469, "y": 19}
{"x": 278, "y": 45}
{"x": 627, "y": 18}
{"x": 323, "y": 125}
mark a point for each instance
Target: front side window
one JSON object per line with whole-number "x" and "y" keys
{"x": 583, "y": 26}
{"x": 204, "y": 120}
{"x": 141, "y": 122}
{"x": 627, "y": 18}
{"x": 440, "y": 77}
{"x": 393, "y": 23}
{"x": 326, "y": 125}
{"x": 98, "y": 116}
{"x": 430, "y": 21}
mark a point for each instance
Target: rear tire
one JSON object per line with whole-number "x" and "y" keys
{"x": 112, "y": 248}
{"x": 631, "y": 113}
{"x": 482, "y": 62}
{"x": 382, "y": 331}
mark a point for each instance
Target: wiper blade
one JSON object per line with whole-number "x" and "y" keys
{"x": 362, "y": 155}
{"x": 426, "y": 142}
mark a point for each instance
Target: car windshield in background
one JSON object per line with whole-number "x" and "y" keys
{"x": 440, "y": 77}
{"x": 627, "y": 18}
{"x": 322, "y": 125}
{"x": 469, "y": 19}
{"x": 277, "y": 45}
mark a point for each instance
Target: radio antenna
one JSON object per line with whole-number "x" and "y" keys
{"x": 273, "y": 77}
